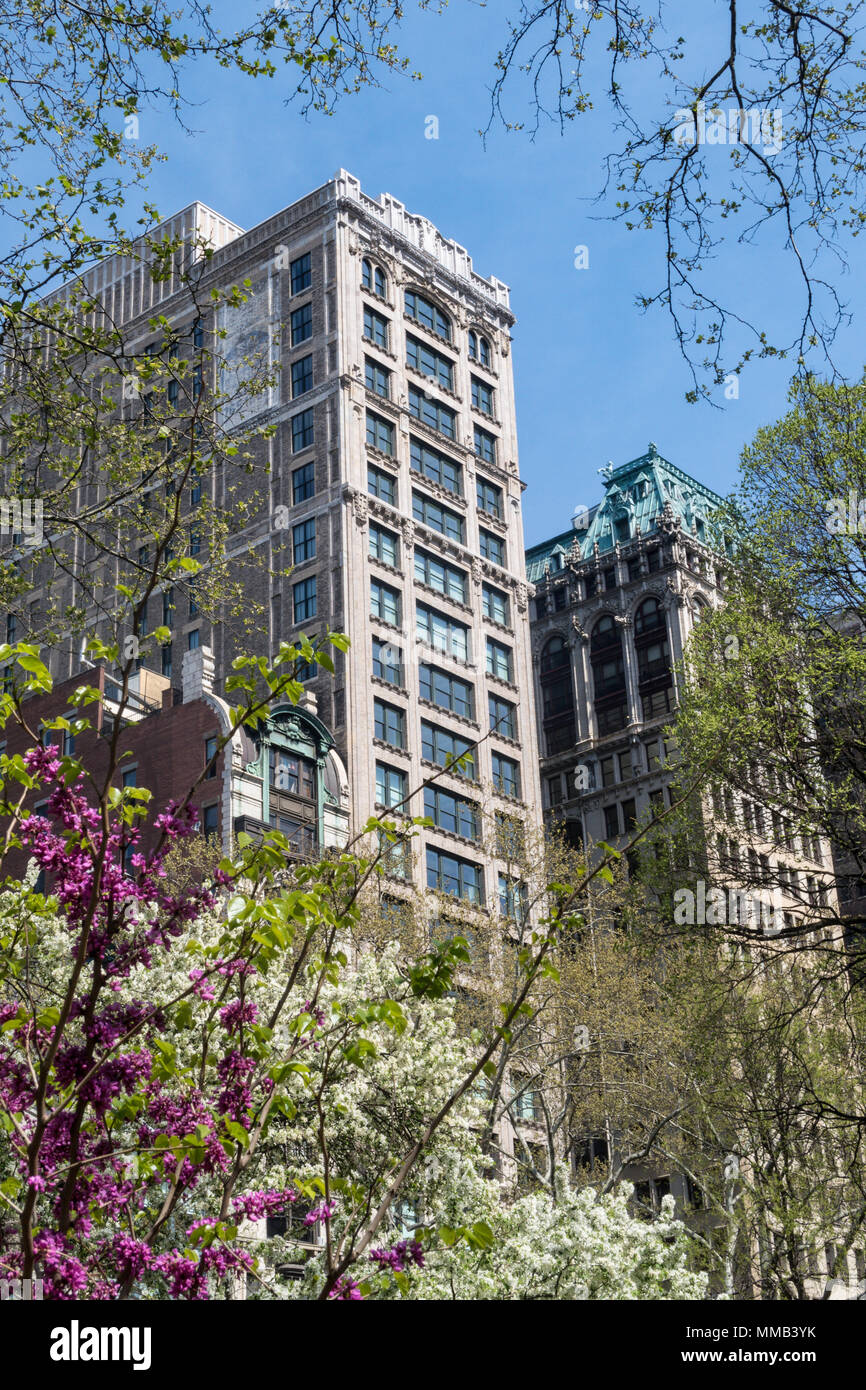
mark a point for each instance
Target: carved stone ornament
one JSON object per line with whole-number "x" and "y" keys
{"x": 575, "y": 623}
{"x": 408, "y": 528}
{"x": 362, "y": 509}
{"x": 521, "y": 595}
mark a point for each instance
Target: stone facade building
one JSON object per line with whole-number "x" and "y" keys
{"x": 391, "y": 487}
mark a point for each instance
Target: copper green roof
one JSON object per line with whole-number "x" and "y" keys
{"x": 634, "y": 500}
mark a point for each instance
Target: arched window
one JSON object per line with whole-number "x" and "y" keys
{"x": 479, "y": 348}
{"x": 649, "y": 617}
{"x": 653, "y": 659}
{"x": 366, "y": 274}
{"x": 557, "y": 695}
{"x": 554, "y": 656}
{"x": 608, "y": 676}
{"x": 428, "y": 315}
{"x": 379, "y": 281}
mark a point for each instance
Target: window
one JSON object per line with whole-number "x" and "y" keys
{"x": 289, "y": 773}
{"x": 390, "y": 785}
{"x": 395, "y": 857}
{"x": 193, "y": 640}
{"x": 499, "y": 660}
{"x": 167, "y": 607}
{"x": 165, "y": 662}
{"x": 428, "y": 315}
{"x": 437, "y": 517}
{"x": 304, "y": 599}
{"x": 482, "y": 396}
{"x": 513, "y": 898}
{"x": 554, "y": 790}
{"x": 375, "y": 327}
{"x": 304, "y": 541}
{"x": 439, "y": 468}
{"x": 611, "y": 821}
{"x": 302, "y": 376}
{"x": 384, "y": 545}
{"x": 210, "y": 821}
{"x": 541, "y": 606}
{"x": 430, "y": 362}
{"x": 380, "y": 484}
{"x": 449, "y": 750}
{"x": 439, "y": 575}
{"x": 608, "y": 771}
{"x": 303, "y": 483}
{"x": 502, "y": 717}
{"x": 506, "y": 775}
{"x": 380, "y": 433}
{"x": 210, "y": 757}
{"x": 457, "y": 877}
{"x": 387, "y": 662}
{"x": 384, "y": 602}
{"x": 489, "y": 498}
{"x": 366, "y": 274}
{"x": 11, "y": 628}
{"x": 433, "y": 413}
{"x": 479, "y": 348}
{"x": 442, "y": 632}
{"x": 373, "y": 278}
{"x": 377, "y": 379}
{"x": 302, "y": 324}
{"x": 491, "y": 547}
{"x": 130, "y": 777}
{"x": 302, "y": 430}
{"x": 449, "y": 692}
{"x": 450, "y": 812}
{"x": 557, "y": 696}
{"x": 198, "y": 334}
{"x": 301, "y": 272}
{"x": 494, "y": 604}
{"x": 485, "y": 445}
{"x": 389, "y": 724}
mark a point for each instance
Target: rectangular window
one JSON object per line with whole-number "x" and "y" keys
{"x": 389, "y": 724}
{"x": 499, "y": 660}
{"x": 554, "y": 790}
{"x": 165, "y": 661}
{"x": 375, "y": 327}
{"x": 303, "y": 483}
{"x": 304, "y": 600}
{"x": 433, "y": 413}
{"x": 377, "y": 379}
{"x": 395, "y": 859}
{"x": 450, "y": 812}
{"x": 302, "y": 324}
{"x": 130, "y": 777}
{"x": 380, "y": 433}
{"x": 302, "y": 376}
{"x": 289, "y": 773}
{"x": 301, "y": 272}
{"x": 482, "y": 396}
{"x": 506, "y": 775}
{"x": 210, "y": 757}
{"x": 446, "y": 691}
{"x": 608, "y": 771}
{"x": 210, "y": 821}
{"x": 494, "y": 604}
{"x": 611, "y": 821}
{"x": 381, "y": 484}
{"x": 387, "y": 662}
{"x": 446, "y": 873}
{"x": 390, "y": 785}
{"x": 437, "y": 517}
{"x": 193, "y": 639}
{"x": 167, "y": 607}
{"x": 492, "y": 547}
{"x": 384, "y": 546}
{"x": 513, "y": 898}
{"x": 302, "y": 430}
{"x": 485, "y": 445}
{"x": 448, "y": 750}
{"x": 489, "y": 498}
{"x": 502, "y": 717}
{"x": 442, "y": 632}
{"x": 304, "y": 541}
{"x": 428, "y": 315}
{"x": 439, "y": 468}
{"x": 439, "y": 575}
{"x": 430, "y": 362}
{"x": 384, "y": 602}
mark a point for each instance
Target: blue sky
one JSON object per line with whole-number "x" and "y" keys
{"x": 595, "y": 379}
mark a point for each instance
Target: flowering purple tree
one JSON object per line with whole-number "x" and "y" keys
{"x": 177, "y": 1067}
